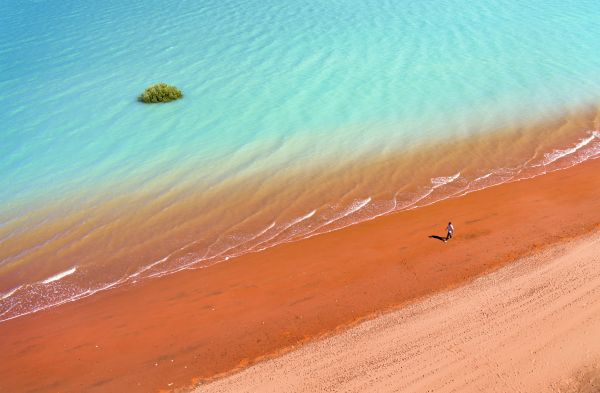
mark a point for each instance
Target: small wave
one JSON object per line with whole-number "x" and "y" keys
{"x": 74, "y": 297}
{"x": 10, "y": 293}
{"x": 58, "y": 276}
{"x": 254, "y": 237}
{"x": 193, "y": 263}
{"x": 484, "y": 176}
{"x": 353, "y": 208}
{"x": 437, "y": 182}
{"x": 150, "y": 266}
{"x": 8, "y": 310}
{"x": 283, "y": 229}
{"x": 549, "y": 158}
{"x": 306, "y": 216}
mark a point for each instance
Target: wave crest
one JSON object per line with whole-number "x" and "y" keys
{"x": 557, "y": 154}
{"x": 60, "y": 275}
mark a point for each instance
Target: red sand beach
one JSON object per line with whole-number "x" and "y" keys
{"x": 532, "y": 326}
{"x": 175, "y": 331}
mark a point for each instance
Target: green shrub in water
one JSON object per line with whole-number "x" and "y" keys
{"x": 160, "y": 92}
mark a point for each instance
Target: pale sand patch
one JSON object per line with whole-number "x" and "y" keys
{"x": 529, "y": 327}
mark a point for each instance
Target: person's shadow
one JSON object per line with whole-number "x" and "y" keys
{"x": 438, "y": 237}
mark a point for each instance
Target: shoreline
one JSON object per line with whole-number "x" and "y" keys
{"x": 197, "y": 325}
{"x": 160, "y": 229}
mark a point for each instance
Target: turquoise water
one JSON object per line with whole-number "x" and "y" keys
{"x": 276, "y": 91}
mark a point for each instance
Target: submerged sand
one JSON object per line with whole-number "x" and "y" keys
{"x": 528, "y": 327}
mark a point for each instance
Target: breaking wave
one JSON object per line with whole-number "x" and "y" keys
{"x": 59, "y": 276}
{"x": 549, "y": 158}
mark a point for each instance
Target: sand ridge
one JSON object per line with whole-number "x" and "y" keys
{"x": 527, "y": 327}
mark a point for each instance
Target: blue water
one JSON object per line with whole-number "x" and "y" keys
{"x": 272, "y": 88}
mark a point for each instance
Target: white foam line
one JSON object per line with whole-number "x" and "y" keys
{"x": 458, "y": 193}
{"x": 526, "y": 163}
{"x": 146, "y": 268}
{"x": 437, "y": 182}
{"x": 356, "y": 206}
{"x": 250, "y": 250}
{"x": 82, "y": 295}
{"x": 246, "y": 241}
{"x": 150, "y": 266}
{"x": 515, "y": 178}
{"x": 58, "y": 276}
{"x": 441, "y": 181}
{"x": 181, "y": 267}
{"x": 306, "y": 236}
{"x": 10, "y": 293}
{"x": 10, "y": 308}
{"x": 419, "y": 199}
{"x": 352, "y": 209}
{"x": 190, "y": 265}
{"x": 549, "y": 158}
{"x": 285, "y": 228}
{"x": 484, "y": 176}
{"x": 187, "y": 266}
{"x": 390, "y": 210}
{"x": 352, "y": 223}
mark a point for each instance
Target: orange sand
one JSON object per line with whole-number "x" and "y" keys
{"x": 169, "y": 332}
{"x": 532, "y": 326}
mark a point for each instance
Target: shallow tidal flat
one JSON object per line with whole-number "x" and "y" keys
{"x": 151, "y": 233}
{"x": 198, "y": 324}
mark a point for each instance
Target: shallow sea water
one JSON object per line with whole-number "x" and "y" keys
{"x": 293, "y": 112}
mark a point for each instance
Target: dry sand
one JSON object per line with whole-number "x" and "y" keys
{"x": 528, "y": 327}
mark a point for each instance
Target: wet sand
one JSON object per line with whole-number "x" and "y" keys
{"x": 532, "y": 326}
{"x": 119, "y": 234}
{"x": 175, "y": 331}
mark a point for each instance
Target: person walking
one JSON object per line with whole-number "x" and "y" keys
{"x": 450, "y": 229}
